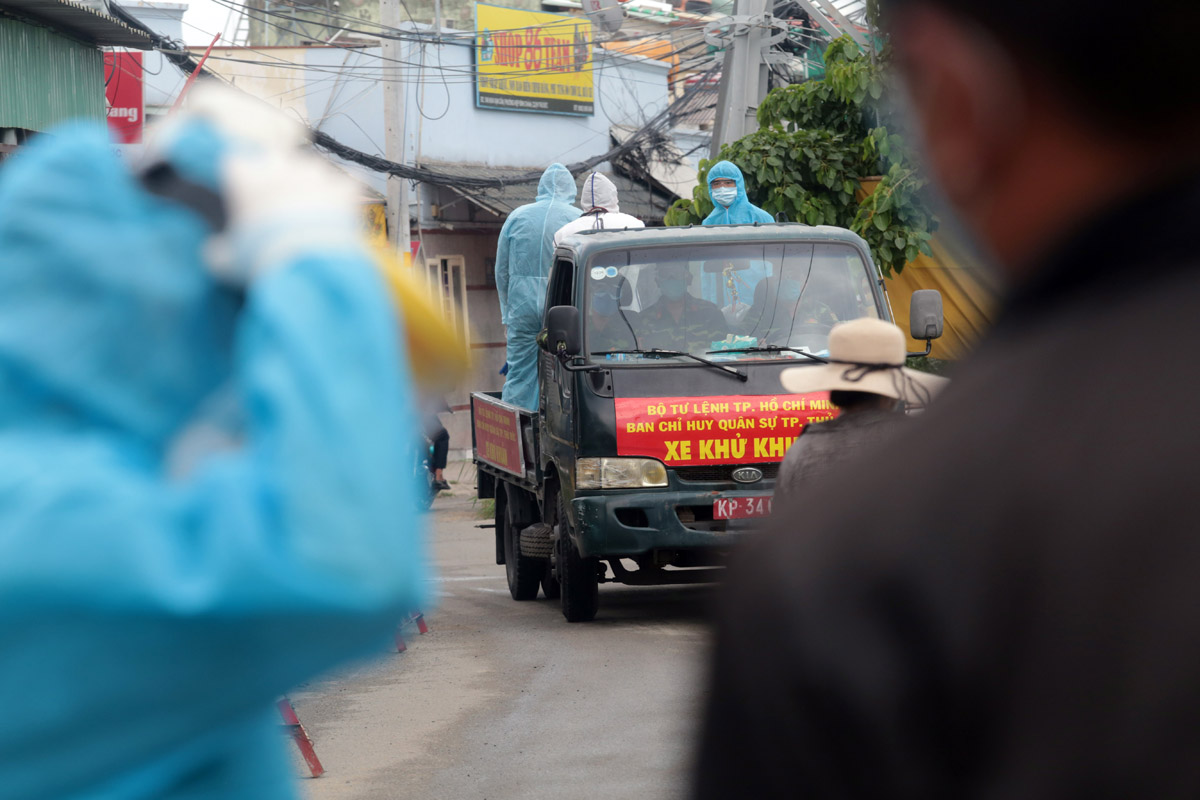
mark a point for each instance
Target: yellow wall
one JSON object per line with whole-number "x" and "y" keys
{"x": 968, "y": 297}
{"x": 969, "y": 294}
{"x": 375, "y": 221}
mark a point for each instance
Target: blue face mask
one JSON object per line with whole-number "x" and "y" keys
{"x": 605, "y": 304}
{"x": 672, "y": 288}
{"x": 725, "y": 195}
{"x": 789, "y": 290}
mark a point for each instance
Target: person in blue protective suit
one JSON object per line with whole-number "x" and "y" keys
{"x": 523, "y": 257}
{"x": 151, "y": 617}
{"x": 731, "y": 206}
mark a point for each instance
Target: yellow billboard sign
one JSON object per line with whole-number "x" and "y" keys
{"x": 533, "y": 61}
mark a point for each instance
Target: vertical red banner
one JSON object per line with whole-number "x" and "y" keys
{"x": 124, "y": 88}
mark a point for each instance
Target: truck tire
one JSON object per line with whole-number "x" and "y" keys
{"x": 536, "y": 540}
{"x": 524, "y": 574}
{"x": 579, "y": 582}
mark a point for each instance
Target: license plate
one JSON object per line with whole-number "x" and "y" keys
{"x": 741, "y": 507}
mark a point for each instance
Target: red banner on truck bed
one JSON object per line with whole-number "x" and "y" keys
{"x": 731, "y": 429}
{"x": 498, "y": 436}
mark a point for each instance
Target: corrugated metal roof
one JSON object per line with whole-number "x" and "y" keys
{"x": 80, "y": 21}
{"x": 645, "y": 203}
{"x": 47, "y": 78}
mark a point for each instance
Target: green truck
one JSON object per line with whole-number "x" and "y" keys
{"x": 662, "y": 420}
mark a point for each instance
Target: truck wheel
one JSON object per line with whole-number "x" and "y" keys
{"x": 578, "y": 579}
{"x": 524, "y": 574}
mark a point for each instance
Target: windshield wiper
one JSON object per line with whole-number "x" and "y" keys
{"x": 660, "y": 353}
{"x": 774, "y": 348}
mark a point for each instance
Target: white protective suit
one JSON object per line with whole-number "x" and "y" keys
{"x": 601, "y": 211}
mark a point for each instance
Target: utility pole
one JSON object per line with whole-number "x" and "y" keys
{"x": 393, "y": 122}
{"x": 747, "y": 38}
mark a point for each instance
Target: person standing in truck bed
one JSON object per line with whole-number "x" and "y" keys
{"x": 523, "y": 254}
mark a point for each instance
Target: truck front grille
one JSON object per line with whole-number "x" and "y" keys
{"x": 722, "y": 473}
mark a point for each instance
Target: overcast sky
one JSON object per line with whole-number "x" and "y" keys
{"x": 202, "y": 19}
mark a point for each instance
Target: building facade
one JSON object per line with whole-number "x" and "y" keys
{"x": 51, "y": 65}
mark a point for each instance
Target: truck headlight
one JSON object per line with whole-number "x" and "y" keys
{"x": 619, "y": 473}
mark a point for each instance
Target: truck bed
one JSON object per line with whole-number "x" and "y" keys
{"x": 504, "y": 438}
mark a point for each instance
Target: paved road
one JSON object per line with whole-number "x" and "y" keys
{"x": 506, "y": 700}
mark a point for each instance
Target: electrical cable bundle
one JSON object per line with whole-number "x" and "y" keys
{"x": 648, "y": 137}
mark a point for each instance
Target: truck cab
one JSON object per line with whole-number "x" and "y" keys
{"x": 662, "y": 420}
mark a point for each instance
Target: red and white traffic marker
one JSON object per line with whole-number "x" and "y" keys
{"x": 300, "y": 736}
{"x": 416, "y": 617}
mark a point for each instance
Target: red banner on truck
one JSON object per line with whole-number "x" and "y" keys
{"x": 498, "y": 436}
{"x": 731, "y": 429}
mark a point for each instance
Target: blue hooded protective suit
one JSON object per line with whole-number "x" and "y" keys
{"x": 740, "y": 212}
{"x": 523, "y": 257}
{"x": 148, "y": 621}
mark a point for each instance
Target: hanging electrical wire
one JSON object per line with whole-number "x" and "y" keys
{"x": 651, "y": 135}
{"x": 606, "y": 60}
{"x": 381, "y": 31}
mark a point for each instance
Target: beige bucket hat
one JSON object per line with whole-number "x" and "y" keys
{"x": 865, "y": 355}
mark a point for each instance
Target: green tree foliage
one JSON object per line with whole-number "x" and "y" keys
{"x": 816, "y": 142}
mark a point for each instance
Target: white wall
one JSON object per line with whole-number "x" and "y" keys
{"x": 163, "y": 80}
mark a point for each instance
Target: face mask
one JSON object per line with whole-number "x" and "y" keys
{"x": 672, "y": 288}
{"x": 789, "y": 291}
{"x": 724, "y": 195}
{"x": 604, "y": 304}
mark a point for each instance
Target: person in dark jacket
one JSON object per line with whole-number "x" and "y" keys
{"x": 439, "y": 438}
{"x": 678, "y": 320}
{"x": 1003, "y": 601}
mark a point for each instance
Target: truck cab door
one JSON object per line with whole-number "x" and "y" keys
{"x": 557, "y": 384}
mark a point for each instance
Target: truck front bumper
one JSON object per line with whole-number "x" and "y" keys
{"x": 611, "y": 524}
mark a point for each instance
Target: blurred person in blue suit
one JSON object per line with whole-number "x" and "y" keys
{"x": 152, "y": 608}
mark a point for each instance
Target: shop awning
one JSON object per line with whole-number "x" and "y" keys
{"x": 80, "y": 20}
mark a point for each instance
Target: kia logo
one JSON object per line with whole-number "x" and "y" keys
{"x": 747, "y": 474}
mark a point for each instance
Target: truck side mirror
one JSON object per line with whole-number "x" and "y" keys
{"x": 925, "y": 318}
{"x": 562, "y": 327}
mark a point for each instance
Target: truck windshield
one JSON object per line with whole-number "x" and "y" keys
{"x": 741, "y": 302}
